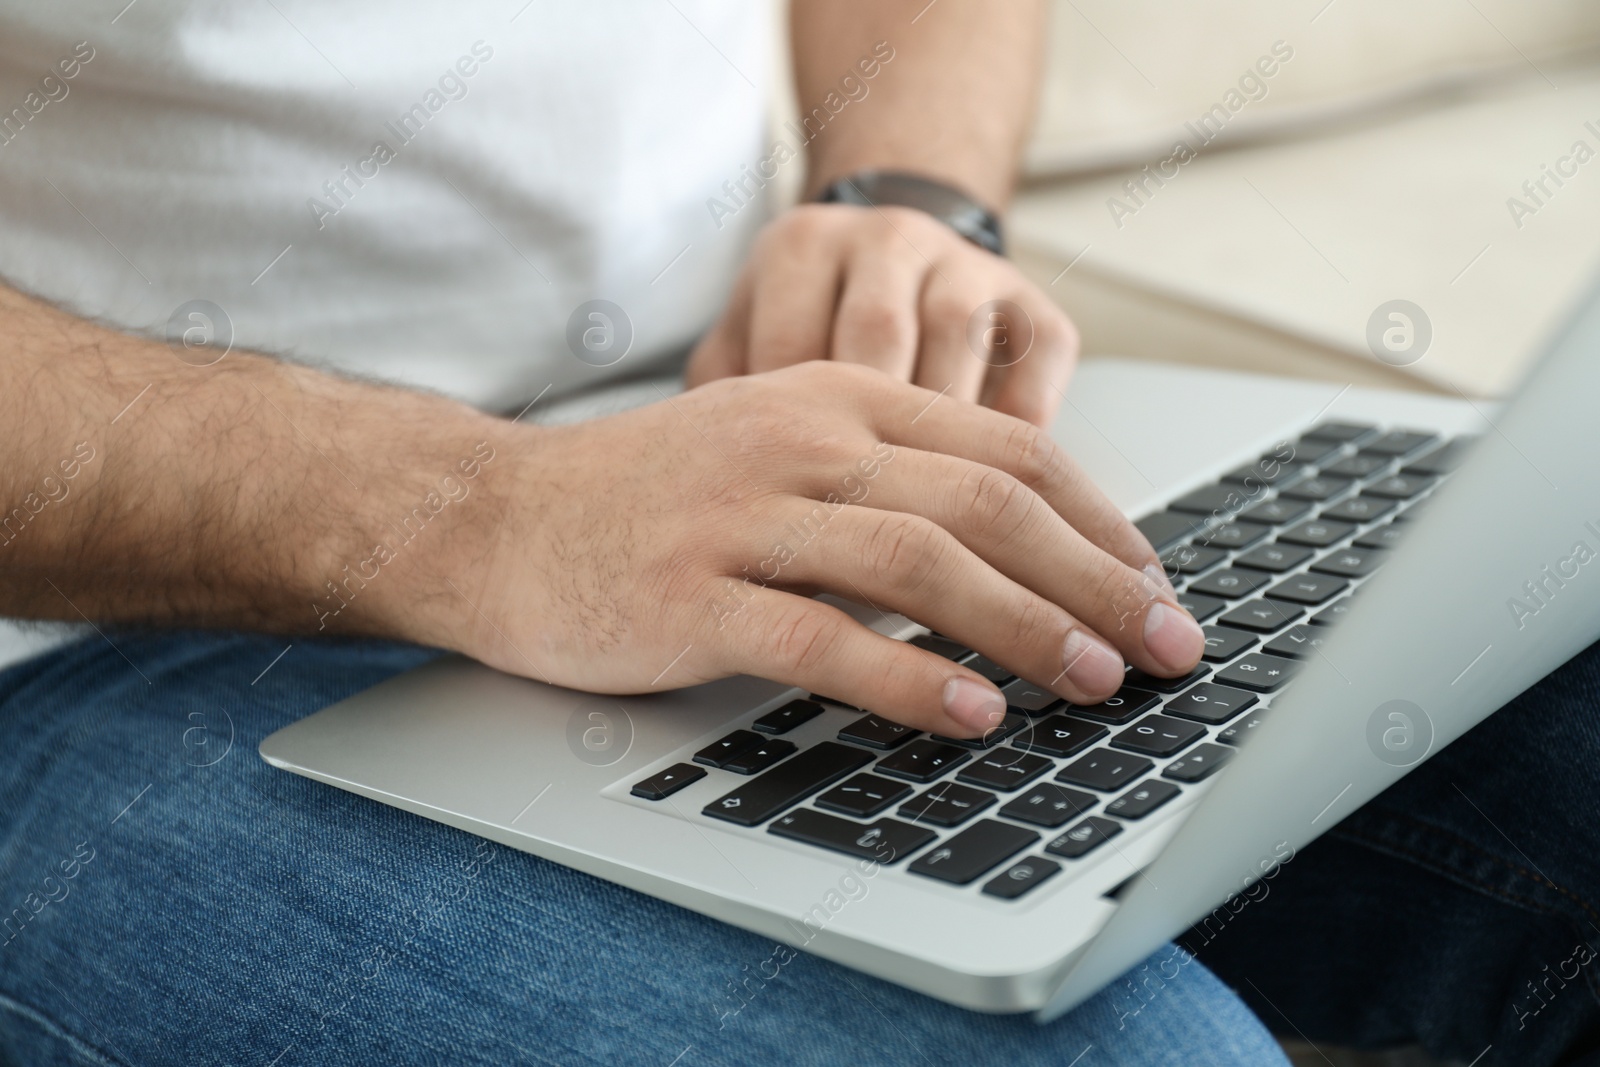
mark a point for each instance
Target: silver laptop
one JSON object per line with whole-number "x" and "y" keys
{"x": 1377, "y": 572}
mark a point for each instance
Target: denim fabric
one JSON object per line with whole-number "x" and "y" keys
{"x": 173, "y": 900}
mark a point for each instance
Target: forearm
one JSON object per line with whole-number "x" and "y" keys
{"x": 250, "y": 493}
{"x": 955, "y": 103}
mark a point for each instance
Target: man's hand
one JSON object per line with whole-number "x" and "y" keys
{"x": 896, "y": 289}
{"x": 680, "y": 542}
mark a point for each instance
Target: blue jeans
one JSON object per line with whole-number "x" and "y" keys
{"x": 168, "y": 898}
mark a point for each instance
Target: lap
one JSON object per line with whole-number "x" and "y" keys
{"x": 175, "y": 900}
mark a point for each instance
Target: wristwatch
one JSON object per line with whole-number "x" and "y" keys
{"x": 870, "y": 188}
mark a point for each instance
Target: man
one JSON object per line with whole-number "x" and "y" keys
{"x": 505, "y": 206}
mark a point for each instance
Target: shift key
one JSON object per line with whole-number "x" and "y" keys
{"x": 788, "y": 783}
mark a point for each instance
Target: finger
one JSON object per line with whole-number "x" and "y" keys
{"x": 798, "y": 641}
{"x": 908, "y": 564}
{"x": 1009, "y": 529}
{"x": 876, "y": 324}
{"x": 946, "y": 361}
{"x": 722, "y": 352}
{"x": 792, "y": 304}
{"x": 1034, "y": 385}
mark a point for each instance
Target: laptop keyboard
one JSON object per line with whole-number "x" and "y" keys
{"x": 1266, "y": 560}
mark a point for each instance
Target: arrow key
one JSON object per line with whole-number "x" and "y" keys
{"x": 663, "y": 784}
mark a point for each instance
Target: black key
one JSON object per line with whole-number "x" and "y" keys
{"x": 820, "y": 699}
{"x": 1314, "y": 450}
{"x": 782, "y": 720}
{"x": 863, "y": 795}
{"x": 1198, "y": 763}
{"x": 1262, "y": 673}
{"x": 1332, "y": 614}
{"x": 760, "y": 757}
{"x": 875, "y": 732}
{"x": 989, "y": 669}
{"x": 1083, "y": 837}
{"x": 1004, "y": 769}
{"x": 1211, "y": 499}
{"x": 1139, "y": 678}
{"x": 1318, "y": 489}
{"x": 1104, "y": 770}
{"x": 1400, "y": 486}
{"x": 1296, "y": 642}
{"x": 1229, "y": 583}
{"x": 1142, "y": 799}
{"x": 1021, "y": 877}
{"x": 1244, "y": 729}
{"x": 1317, "y": 533}
{"x": 1191, "y": 559}
{"x": 1346, "y": 433}
{"x": 1118, "y": 708}
{"x": 1233, "y": 535}
{"x": 1262, "y": 616}
{"x": 1274, "y": 558}
{"x": 1276, "y": 512}
{"x": 1060, "y": 736}
{"x": 1413, "y": 509}
{"x": 1159, "y": 735}
{"x": 1349, "y": 562}
{"x": 1308, "y": 588}
{"x": 1201, "y": 607}
{"x": 1360, "y": 465}
{"x": 1029, "y": 699}
{"x": 1269, "y": 470}
{"x": 940, "y": 646}
{"x": 787, "y": 784}
{"x": 1223, "y": 643}
{"x": 1357, "y": 509}
{"x": 1400, "y": 442}
{"x": 1383, "y": 537}
{"x": 662, "y": 784}
{"x": 1166, "y": 528}
{"x": 886, "y": 840}
{"x": 720, "y": 752}
{"x": 923, "y": 761}
{"x": 1008, "y": 725}
{"x": 978, "y": 848}
{"x": 1210, "y": 703}
{"x": 1049, "y": 805}
{"x": 946, "y": 804}
{"x": 1441, "y": 460}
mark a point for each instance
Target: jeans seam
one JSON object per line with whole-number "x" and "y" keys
{"x": 81, "y": 1048}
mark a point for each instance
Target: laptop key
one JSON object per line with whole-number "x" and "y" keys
{"x": 1357, "y": 509}
{"x": 1346, "y": 433}
{"x": 946, "y": 804}
{"x": 1264, "y": 674}
{"x": 1008, "y": 725}
{"x": 1084, "y": 838}
{"x": 1191, "y": 559}
{"x": 1308, "y": 589}
{"x": 1261, "y": 616}
{"x": 940, "y": 645}
{"x": 1229, "y": 583}
{"x": 1201, "y": 607}
{"x": 1198, "y": 763}
{"x": 1210, "y": 703}
{"x": 1005, "y": 769}
{"x": 1274, "y": 558}
{"x": 760, "y": 757}
{"x": 787, "y": 784}
{"x": 977, "y": 849}
{"x": 1158, "y": 735}
{"x": 1104, "y": 770}
{"x": 923, "y": 761}
{"x": 989, "y": 669}
{"x": 1400, "y": 486}
{"x": 1269, "y": 470}
{"x": 1383, "y": 537}
{"x": 1060, "y": 736}
{"x": 876, "y": 732}
{"x": 1296, "y": 642}
{"x": 1241, "y": 731}
{"x": 1332, "y": 614}
{"x": 721, "y": 751}
{"x": 1211, "y": 499}
{"x": 1123, "y": 706}
{"x": 782, "y": 720}
{"x": 1021, "y": 877}
{"x": 1139, "y": 678}
{"x": 1317, "y": 489}
{"x": 1142, "y": 799}
{"x": 1233, "y": 535}
{"x": 1276, "y": 512}
{"x": 1049, "y": 805}
{"x": 863, "y": 796}
{"x": 1400, "y": 442}
{"x": 1361, "y": 465}
{"x": 1317, "y": 533}
{"x": 886, "y": 840}
{"x": 1349, "y": 562}
{"x": 1441, "y": 460}
{"x": 1166, "y": 528}
{"x": 662, "y": 784}
{"x": 1315, "y": 450}
{"x": 1224, "y": 642}
{"x": 1029, "y": 699}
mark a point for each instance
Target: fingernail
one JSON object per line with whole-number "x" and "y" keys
{"x": 1091, "y": 664}
{"x": 1172, "y": 637}
{"x": 973, "y": 704}
{"x": 1158, "y": 574}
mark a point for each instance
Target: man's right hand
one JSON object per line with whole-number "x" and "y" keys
{"x": 680, "y": 542}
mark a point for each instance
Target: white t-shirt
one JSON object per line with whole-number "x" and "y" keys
{"x": 419, "y": 192}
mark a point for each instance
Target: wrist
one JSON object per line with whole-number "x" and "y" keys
{"x": 963, "y": 213}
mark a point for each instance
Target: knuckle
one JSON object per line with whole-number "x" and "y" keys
{"x": 1033, "y": 457}
{"x": 1036, "y": 621}
{"x": 803, "y": 640}
{"x": 993, "y": 501}
{"x": 880, "y": 325}
{"x": 905, "y": 549}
